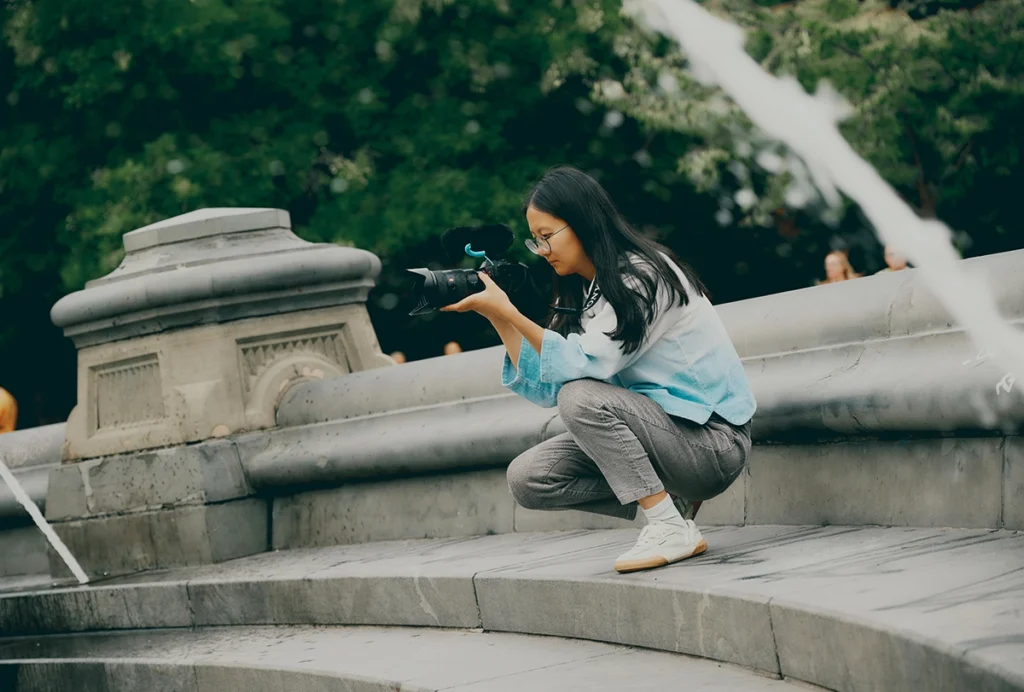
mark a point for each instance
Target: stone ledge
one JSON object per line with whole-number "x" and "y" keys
{"x": 30, "y": 454}
{"x": 455, "y": 436}
{"x": 32, "y": 446}
{"x": 874, "y": 356}
{"x": 163, "y": 538}
{"x": 33, "y": 480}
{"x": 24, "y": 551}
{"x": 203, "y": 223}
{"x": 355, "y": 659}
{"x": 845, "y": 608}
{"x": 417, "y": 385}
{"x": 472, "y": 503}
{"x": 955, "y": 482}
{"x": 145, "y": 481}
{"x": 876, "y": 307}
{"x": 952, "y": 482}
{"x": 914, "y": 385}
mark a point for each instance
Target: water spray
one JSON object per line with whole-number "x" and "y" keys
{"x": 22, "y": 497}
{"x": 808, "y": 126}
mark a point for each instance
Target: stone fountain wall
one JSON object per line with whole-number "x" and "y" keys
{"x": 872, "y": 409}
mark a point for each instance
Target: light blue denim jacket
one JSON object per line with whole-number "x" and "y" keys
{"x": 687, "y": 364}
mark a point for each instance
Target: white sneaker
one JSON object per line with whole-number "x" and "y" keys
{"x": 662, "y": 544}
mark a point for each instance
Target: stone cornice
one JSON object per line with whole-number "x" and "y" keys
{"x": 212, "y": 266}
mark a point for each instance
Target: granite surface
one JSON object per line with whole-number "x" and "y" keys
{"x": 842, "y": 607}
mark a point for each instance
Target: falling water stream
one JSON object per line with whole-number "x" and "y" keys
{"x": 22, "y": 497}
{"x": 808, "y": 126}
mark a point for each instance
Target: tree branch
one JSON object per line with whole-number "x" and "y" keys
{"x": 855, "y": 54}
{"x": 924, "y": 192}
{"x": 962, "y": 155}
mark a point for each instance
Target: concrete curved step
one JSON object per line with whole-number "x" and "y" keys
{"x": 354, "y": 659}
{"x": 844, "y": 608}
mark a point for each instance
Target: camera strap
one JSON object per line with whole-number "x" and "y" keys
{"x": 593, "y": 295}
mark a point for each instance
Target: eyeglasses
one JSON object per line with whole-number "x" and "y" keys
{"x": 536, "y": 245}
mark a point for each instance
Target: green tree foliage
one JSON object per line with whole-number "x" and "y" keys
{"x": 936, "y": 90}
{"x": 371, "y": 122}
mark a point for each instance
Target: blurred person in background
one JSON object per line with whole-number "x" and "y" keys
{"x": 8, "y": 411}
{"x": 894, "y": 260}
{"x": 837, "y": 268}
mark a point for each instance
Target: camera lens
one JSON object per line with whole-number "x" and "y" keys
{"x": 435, "y": 289}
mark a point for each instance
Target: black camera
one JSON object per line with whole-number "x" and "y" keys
{"x": 436, "y": 289}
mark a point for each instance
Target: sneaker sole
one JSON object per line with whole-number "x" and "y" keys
{"x": 660, "y": 561}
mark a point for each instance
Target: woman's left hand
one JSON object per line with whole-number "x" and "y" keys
{"x": 492, "y": 302}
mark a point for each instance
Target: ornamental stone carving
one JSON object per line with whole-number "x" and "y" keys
{"x": 208, "y": 320}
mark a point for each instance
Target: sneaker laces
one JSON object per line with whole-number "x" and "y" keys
{"x": 653, "y": 533}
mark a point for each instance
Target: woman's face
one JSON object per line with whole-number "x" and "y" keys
{"x": 566, "y": 255}
{"x": 894, "y": 259}
{"x": 834, "y": 267}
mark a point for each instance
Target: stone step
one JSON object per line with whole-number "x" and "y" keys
{"x": 354, "y": 659}
{"x": 846, "y": 608}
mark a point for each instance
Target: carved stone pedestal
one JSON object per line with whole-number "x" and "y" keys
{"x": 209, "y": 320}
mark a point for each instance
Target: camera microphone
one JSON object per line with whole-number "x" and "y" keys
{"x": 436, "y": 289}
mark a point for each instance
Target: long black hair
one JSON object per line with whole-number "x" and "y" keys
{"x": 577, "y": 199}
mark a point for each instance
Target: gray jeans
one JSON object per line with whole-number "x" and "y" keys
{"x": 622, "y": 446}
